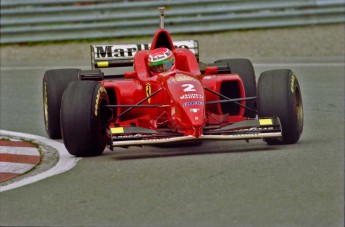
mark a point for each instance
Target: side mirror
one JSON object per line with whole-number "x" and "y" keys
{"x": 211, "y": 70}
{"x": 130, "y": 75}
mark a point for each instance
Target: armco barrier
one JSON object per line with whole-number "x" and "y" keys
{"x": 55, "y": 20}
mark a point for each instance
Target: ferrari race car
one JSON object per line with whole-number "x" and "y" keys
{"x": 196, "y": 101}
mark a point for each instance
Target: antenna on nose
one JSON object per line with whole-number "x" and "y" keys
{"x": 161, "y": 17}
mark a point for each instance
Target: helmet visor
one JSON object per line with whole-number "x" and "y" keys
{"x": 162, "y": 66}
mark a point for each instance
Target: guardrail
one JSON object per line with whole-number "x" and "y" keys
{"x": 56, "y": 20}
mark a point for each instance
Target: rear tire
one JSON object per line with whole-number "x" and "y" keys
{"x": 54, "y": 83}
{"x": 244, "y": 68}
{"x": 279, "y": 95}
{"x": 82, "y": 116}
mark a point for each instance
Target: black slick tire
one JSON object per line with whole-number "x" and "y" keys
{"x": 244, "y": 68}
{"x": 82, "y": 116}
{"x": 54, "y": 83}
{"x": 279, "y": 94}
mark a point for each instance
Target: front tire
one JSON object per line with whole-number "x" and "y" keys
{"x": 82, "y": 116}
{"x": 279, "y": 94}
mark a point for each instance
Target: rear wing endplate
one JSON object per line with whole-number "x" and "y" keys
{"x": 104, "y": 56}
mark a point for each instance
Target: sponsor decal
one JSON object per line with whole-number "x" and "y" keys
{"x": 194, "y": 110}
{"x": 118, "y": 51}
{"x": 254, "y": 129}
{"x": 293, "y": 83}
{"x": 45, "y": 104}
{"x": 193, "y": 103}
{"x": 158, "y": 57}
{"x": 191, "y": 96}
{"x": 128, "y": 51}
{"x": 148, "y": 92}
{"x": 184, "y": 78}
{"x": 247, "y": 134}
{"x": 100, "y": 90}
{"x": 179, "y": 78}
{"x": 128, "y": 136}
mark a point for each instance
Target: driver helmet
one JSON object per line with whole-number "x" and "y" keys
{"x": 161, "y": 60}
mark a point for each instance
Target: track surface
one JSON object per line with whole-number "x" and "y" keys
{"x": 216, "y": 184}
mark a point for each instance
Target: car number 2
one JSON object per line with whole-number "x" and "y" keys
{"x": 188, "y": 87}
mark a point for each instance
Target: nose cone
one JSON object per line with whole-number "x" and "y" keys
{"x": 195, "y": 132}
{"x": 188, "y": 112}
{"x": 195, "y": 112}
{"x": 195, "y": 115}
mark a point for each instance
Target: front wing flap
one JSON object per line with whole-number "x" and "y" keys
{"x": 244, "y": 130}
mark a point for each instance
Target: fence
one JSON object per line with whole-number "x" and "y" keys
{"x": 56, "y": 20}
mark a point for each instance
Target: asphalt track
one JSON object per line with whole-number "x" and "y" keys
{"x": 215, "y": 184}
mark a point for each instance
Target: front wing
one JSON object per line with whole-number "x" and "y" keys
{"x": 244, "y": 130}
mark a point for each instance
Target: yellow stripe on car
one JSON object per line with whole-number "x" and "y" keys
{"x": 117, "y": 130}
{"x": 102, "y": 64}
{"x": 265, "y": 122}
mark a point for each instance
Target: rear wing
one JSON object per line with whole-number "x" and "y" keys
{"x": 105, "y": 56}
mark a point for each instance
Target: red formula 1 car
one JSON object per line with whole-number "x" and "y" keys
{"x": 194, "y": 101}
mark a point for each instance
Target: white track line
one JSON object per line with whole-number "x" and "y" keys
{"x": 65, "y": 163}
